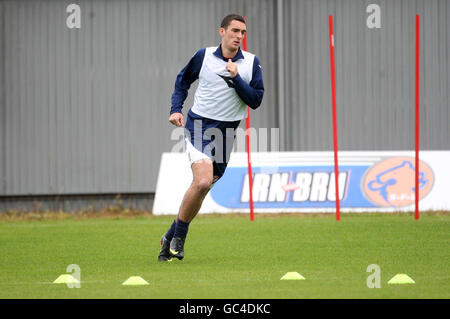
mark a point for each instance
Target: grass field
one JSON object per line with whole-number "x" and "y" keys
{"x": 227, "y": 256}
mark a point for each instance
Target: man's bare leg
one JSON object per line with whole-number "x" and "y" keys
{"x": 201, "y": 184}
{"x": 203, "y": 178}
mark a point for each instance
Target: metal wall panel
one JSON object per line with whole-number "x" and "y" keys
{"x": 374, "y": 75}
{"x": 85, "y": 110}
{"x": 2, "y": 102}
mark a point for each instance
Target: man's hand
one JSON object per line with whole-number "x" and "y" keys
{"x": 176, "y": 119}
{"x": 232, "y": 68}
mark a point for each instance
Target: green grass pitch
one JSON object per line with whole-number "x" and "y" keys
{"x": 227, "y": 256}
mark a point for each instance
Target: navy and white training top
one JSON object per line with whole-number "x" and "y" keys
{"x": 218, "y": 96}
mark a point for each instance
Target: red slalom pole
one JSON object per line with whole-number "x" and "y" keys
{"x": 247, "y": 136}
{"x": 333, "y": 100}
{"x": 417, "y": 118}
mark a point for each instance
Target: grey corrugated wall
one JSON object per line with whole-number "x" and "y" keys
{"x": 374, "y": 75}
{"x": 85, "y": 110}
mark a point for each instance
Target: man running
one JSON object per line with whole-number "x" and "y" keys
{"x": 229, "y": 80}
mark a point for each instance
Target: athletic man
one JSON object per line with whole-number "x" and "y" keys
{"x": 229, "y": 79}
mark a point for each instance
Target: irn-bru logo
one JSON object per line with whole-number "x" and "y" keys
{"x": 391, "y": 182}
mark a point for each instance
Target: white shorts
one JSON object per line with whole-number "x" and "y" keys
{"x": 194, "y": 154}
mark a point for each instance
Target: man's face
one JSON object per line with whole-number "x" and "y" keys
{"x": 232, "y": 36}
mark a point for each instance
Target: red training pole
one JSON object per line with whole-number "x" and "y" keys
{"x": 333, "y": 100}
{"x": 247, "y": 135}
{"x": 417, "y": 118}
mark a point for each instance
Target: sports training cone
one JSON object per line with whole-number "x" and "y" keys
{"x": 292, "y": 276}
{"x": 66, "y": 279}
{"x": 135, "y": 281}
{"x": 401, "y": 279}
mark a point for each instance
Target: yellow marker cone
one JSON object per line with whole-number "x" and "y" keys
{"x": 401, "y": 279}
{"x": 292, "y": 276}
{"x": 66, "y": 279}
{"x": 135, "y": 281}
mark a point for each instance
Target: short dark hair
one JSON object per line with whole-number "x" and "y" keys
{"x": 227, "y": 20}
